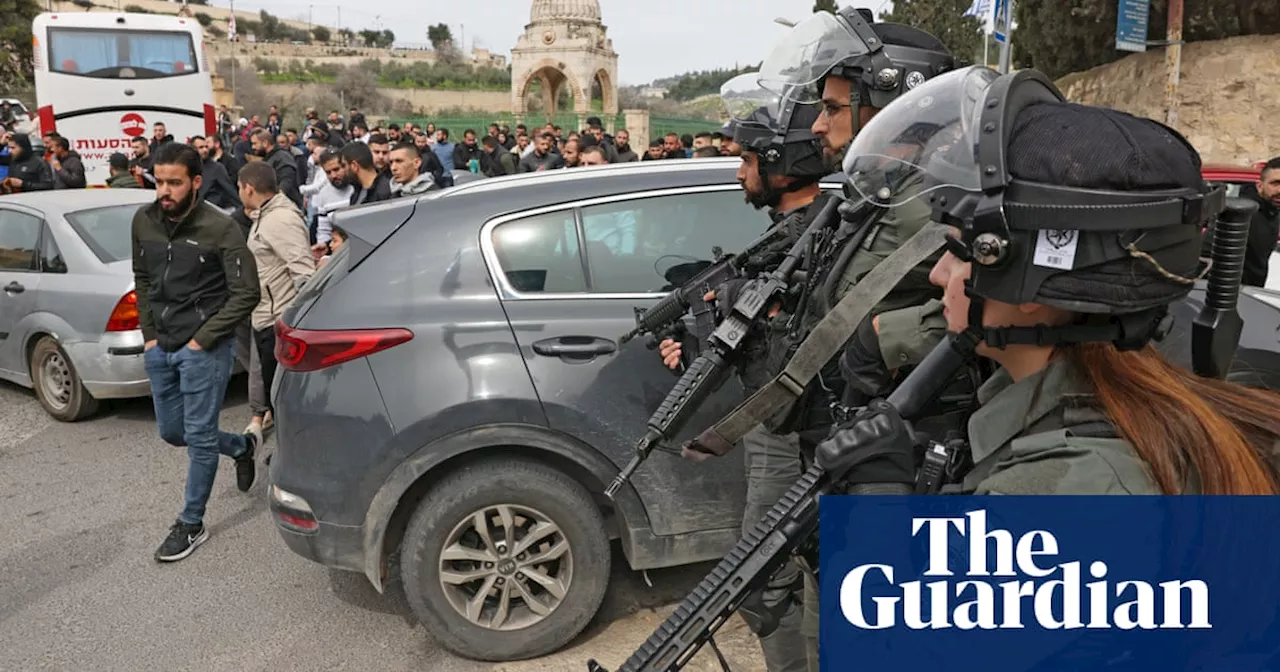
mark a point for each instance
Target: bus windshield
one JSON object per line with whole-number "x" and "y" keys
{"x": 121, "y": 54}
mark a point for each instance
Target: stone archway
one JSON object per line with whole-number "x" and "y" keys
{"x": 553, "y": 76}
{"x": 565, "y": 41}
{"x": 608, "y": 91}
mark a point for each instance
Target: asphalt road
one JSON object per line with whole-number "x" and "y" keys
{"x": 83, "y": 507}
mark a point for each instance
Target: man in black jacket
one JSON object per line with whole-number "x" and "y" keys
{"x": 216, "y": 186}
{"x": 281, "y": 161}
{"x": 28, "y": 171}
{"x": 468, "y": 151}
{"x": 1265, "y": 226}
{"x": 195, "y": 280}
{"x": 370, "y": 185}
{"x": 68, "y": 168}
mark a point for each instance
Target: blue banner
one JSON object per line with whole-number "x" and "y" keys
{"x": 1131, "y": 25}
{"x": 949, "y": 584}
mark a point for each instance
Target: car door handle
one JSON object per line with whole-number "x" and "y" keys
{"x": 575, "y": 346}
{"x": 14, "y": 288}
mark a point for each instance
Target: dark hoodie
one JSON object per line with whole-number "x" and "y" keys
{"x": 36, "y": 174}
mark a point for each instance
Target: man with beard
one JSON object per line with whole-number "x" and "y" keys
{"x": 622, "y": 145}
{"x": 781, "y": 167}
{"x": 195, "y": 280}
{"x": 282, "y": 161}
{"x": 541, "y": 158}
{"x": 142, "y": 158}
{"x": 369, "y": 185}
{"x": 216, "y": 187}
{"x": 858, "y": 68}
{"x": 467, "y": 152}
{"x": 331, "y": 191}
{"x": 430, "y": 162}
{"x": 570, "y": 152}
{"x": 68, "y": 169}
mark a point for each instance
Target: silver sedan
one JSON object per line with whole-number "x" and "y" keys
{"x": 68, "y": 312}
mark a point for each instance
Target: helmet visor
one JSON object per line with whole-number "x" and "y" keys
{"x": 806, "y": 54}
{"x": 924, "y": 141}
{"x": 746, "y": 100}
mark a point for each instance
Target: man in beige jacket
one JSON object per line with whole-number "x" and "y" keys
{"x": 280, "y": 247}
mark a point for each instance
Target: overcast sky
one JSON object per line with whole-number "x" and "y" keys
{"x": 653, "y": 38}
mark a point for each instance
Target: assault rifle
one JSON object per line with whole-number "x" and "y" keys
{"x": 789, "y": 527}
{"x": 709, "y": 371}
{"x": 669, "y": 312}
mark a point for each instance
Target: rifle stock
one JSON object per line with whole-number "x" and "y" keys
{"x": 785, "y": 528}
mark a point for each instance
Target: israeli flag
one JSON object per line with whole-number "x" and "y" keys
{"x": 985, "y": 10}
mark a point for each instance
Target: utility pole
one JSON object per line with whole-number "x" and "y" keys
{"x": 344, "y": 42}
{"x": 310, "y": 8}
{"x": 1173, "y": 63}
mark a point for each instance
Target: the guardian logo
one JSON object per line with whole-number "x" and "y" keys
{"x": 1037, "y": 589}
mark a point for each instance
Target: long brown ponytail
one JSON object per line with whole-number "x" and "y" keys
{"x": 1177, "y": 421}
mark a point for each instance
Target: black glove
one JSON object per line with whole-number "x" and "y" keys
{"x": 727, "y": 294}
{"x": 862, "y": 367}
{"x": 877, "y": 447}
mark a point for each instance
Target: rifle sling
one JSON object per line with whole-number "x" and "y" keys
{"x": 826, "y": 339}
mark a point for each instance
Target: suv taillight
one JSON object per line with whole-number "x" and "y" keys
{"x": 124, "y": 317}
{"x": 310, "y": 350}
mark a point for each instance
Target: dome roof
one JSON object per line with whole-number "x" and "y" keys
{"x": 558, "y": 10}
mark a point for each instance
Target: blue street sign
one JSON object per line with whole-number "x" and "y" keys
{"x": 1002, "y": 19}
{"x": 1131, "y": 25}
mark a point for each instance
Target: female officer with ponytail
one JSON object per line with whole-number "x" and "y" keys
{"x": 1071, "y": 231}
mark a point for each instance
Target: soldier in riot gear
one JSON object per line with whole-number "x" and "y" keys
{"x": 1072, "y": 231}
{"x": 782, "y": 164}
{"x": 851, "y": 68}
{"x": 856, "y": 68}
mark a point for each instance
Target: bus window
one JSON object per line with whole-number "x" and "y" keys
{"x": 129, "y": 54}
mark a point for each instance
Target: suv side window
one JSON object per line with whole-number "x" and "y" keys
{"x": 19, "y": 238}
{"x": 541, "y": 253}
{"x": 630, "y": 244}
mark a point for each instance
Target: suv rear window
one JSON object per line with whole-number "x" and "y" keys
{"x": 107, "y": 231}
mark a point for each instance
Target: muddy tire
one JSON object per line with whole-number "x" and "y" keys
{"x": 505, "y": 560}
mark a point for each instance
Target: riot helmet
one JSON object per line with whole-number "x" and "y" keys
{"x": 1085, "y": 209}
{"x": 777, "y": 128}
{"x": 881, "y": 60}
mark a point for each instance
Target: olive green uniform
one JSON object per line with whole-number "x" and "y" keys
{"x": 911, "y": 320}
{"x": 1022, "y": 442}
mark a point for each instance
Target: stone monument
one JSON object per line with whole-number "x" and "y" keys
{"x": 565, "y": 44}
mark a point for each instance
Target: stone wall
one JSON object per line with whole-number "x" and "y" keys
{"x": 284, "y": 54}
{"x": 219, "y": 14}
{"x": 426, "y": 101}
{"x": 1229, "y": 94}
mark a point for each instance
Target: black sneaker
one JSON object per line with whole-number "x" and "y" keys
{"x": 245, "y": 470}
{"x": 182, "y": 540}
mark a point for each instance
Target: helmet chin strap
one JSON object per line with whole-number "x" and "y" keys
{"x": 1130, "y": 331}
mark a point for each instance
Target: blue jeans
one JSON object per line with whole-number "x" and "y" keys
{"x": 187, "y": 388}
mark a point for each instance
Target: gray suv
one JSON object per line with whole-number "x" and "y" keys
{"x": 452, "y": 387}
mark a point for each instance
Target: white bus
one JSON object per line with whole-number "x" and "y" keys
{"x": 104, "y": 78}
